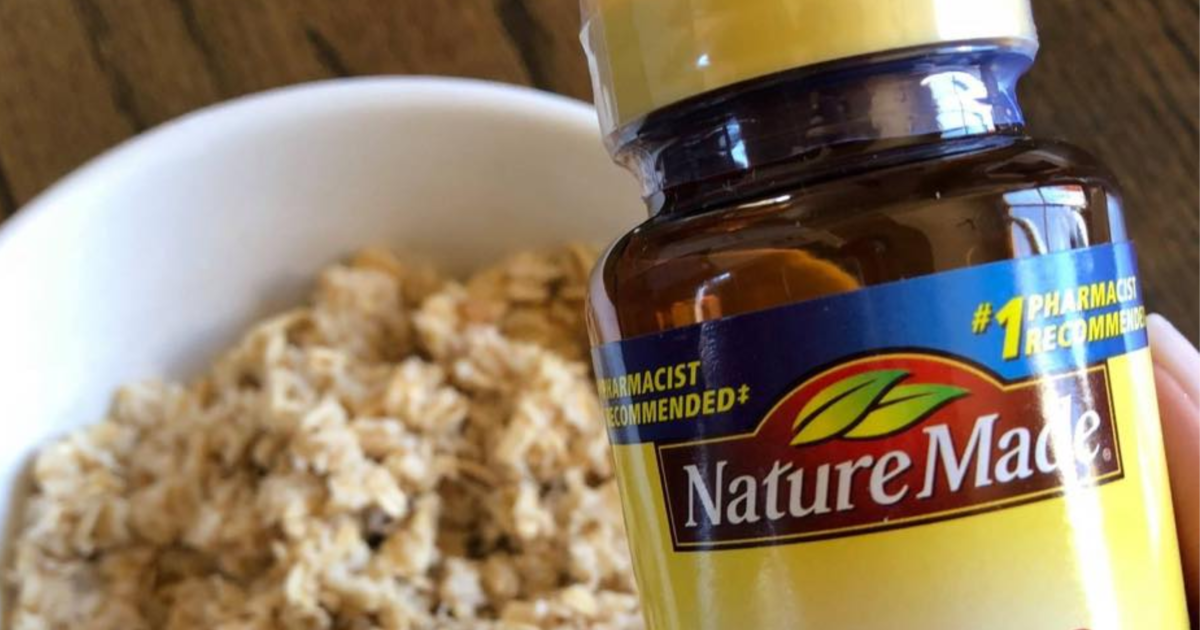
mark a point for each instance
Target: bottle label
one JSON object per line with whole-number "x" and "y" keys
{"x": 988, "y": 433}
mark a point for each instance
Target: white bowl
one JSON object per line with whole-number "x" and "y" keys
{"x": 149, "y": 260}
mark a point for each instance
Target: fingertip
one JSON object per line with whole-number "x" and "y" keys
{"x": 1176, "y": 356}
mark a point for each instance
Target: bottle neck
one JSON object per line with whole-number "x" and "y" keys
{"x": 823, "y": 121}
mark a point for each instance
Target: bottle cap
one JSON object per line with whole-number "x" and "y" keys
{"x": 648, "y": 54}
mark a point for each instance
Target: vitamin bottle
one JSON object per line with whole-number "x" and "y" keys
{"x": 878, "y": 359}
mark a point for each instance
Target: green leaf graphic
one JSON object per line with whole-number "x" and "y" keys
{"x": 840, "y": 406}
{"x": 902, "y": 407}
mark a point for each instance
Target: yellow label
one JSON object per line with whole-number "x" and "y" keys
{"x": 1076, "y": 551}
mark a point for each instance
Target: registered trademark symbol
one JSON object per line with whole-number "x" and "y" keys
{"x": 1107, "y": 454}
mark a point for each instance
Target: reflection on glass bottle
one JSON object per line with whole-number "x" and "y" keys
{"x": 962, "y": 103}
{"x": 1047, "y": 220}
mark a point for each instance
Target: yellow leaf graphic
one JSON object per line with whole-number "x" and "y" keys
{"x": 842, "y": 405}
{"x": 902, "y": 407}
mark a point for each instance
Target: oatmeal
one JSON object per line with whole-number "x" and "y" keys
{"x": 404, "y": 452}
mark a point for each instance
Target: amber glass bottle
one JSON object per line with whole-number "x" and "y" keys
{"x": 877, "y": 359}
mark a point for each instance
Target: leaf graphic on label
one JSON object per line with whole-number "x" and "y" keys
{"x": 902, "y": 407}
{"x": 841, "y": 405}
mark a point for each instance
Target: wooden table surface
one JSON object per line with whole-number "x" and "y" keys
{"x": 1118, "y": 77}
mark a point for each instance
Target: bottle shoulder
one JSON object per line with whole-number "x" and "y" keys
{"x": 1025, "y": 165}
{"x": 813, "y": 238}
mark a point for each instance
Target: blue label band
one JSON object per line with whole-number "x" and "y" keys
{"x": 1015, "y": 319}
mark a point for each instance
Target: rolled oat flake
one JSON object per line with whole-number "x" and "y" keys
{"x": 878, "y": 359}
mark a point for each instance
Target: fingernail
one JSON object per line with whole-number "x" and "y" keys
{"x": 1176, "y": 355}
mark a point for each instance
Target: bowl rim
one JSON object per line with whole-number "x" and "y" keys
{"x": 315, "y": 96}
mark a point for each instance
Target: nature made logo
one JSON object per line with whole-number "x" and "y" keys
{"x": 887, "y": 442}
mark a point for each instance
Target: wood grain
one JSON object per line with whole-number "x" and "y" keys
{"x": 1119, "y": 77}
